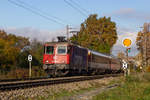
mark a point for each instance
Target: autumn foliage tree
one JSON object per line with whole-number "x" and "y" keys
{"x": 14, "y": 51}
{"x": 139, "y": 41}
{"x": 97, "y": 34}
{"x": 10, "y": 47}
{"x": 142, "y": 42}
{"x": 37, "y": 51}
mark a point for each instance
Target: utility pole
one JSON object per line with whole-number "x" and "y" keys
{"x": 145, "y": 38}
{"x": 146, "y": 49}
{"x": 68, "y": 32}
{"x": 145, "y": 32}
{"x": 67, "y": 29}
{"x": 142, "y": 51}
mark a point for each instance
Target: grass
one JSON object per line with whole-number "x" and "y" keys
{"x": 64, "y": 93}
{"x": 134, "y": 87}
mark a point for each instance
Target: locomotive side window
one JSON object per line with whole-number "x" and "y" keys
{"x": 61, "y": 50}
{"x": 68, "y": 49}
{"x": 44, "y": 49}
{"x": 49, "y": 49}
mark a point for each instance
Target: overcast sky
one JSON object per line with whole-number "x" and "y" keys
{"x": 16, "y": 18}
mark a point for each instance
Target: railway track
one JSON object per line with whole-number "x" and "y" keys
{"x": 7, "y": 86}
{"x": 22, "y": 79}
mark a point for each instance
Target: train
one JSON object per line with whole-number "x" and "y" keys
{"x": 62, "y": 58}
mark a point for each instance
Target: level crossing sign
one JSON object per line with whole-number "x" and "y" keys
{"x": 124, "y": 65}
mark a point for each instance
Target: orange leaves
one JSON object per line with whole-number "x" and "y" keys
{"x": 10, "y": 46}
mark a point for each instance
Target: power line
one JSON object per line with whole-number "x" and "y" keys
{"x": 35, "y": 12}
{"x": 39, "y": 10}
{"x": 76, "y": 8}
{"x": 79, "y": 6}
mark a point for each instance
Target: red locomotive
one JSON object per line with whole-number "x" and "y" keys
{"x": 61, "y": 58}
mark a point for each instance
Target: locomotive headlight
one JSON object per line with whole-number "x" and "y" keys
{"x": 47, "y": 61}
{"x": 45, "y": 67}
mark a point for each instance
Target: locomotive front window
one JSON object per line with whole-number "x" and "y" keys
{"x": 61, "y": 49}
{"x": 49, "y": 49}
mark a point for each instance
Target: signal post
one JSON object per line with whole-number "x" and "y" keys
{"x": 127, "y": 43}
{"x": 30, "y": 59}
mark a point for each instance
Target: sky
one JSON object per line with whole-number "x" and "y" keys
{"x": 46, "y": 19}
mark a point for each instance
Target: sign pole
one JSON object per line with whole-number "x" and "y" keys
{"x": 125, "y": 66}
{"x": 127, "y": 43}
{"x": 128, "y": 69}
{"x": 30, "y": 69}
{"x": 30, "y": 59}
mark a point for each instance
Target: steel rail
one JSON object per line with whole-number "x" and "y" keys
{"x": 29, "y": 84}
{"x": 21, "y": 79}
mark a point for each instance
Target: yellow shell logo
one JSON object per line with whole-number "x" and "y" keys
{"x": 127, "y": 42}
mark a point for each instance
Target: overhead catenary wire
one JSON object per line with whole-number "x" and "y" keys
{"x": 83, "y": 9}
{"x": 36, "y": 12}
{"x": 39, "y": 10}
{"x": 76, "y": 8}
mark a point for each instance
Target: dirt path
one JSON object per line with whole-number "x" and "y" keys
{"x": 90, "y": 94}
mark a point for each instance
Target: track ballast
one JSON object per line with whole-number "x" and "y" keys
{"x": 7, "y": 86}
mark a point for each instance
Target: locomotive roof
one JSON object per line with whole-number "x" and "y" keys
{"x": 100, "y": 54}
{"x": 97, "y": 53}
{"x": 54, "y": 43}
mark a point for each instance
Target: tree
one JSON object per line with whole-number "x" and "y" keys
{"x": 139, "y": 41}
{"x": 10, "y": 48}
{"x": 121, "y": 55}
{"x": 97, "y": 34}
{"x": 143, "y": 44}
{"x": 37, "y": 52}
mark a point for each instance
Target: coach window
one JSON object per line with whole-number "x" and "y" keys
{"x": 61, "y": 50}
{"x": 49, "y": 49}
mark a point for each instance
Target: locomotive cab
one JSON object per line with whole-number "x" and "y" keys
{"x": 61, "y": 55}
{"x": 48, "y": 54}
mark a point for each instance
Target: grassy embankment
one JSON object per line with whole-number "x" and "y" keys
{"x": 133, "y": 87}
{"x": 65, "y": 91}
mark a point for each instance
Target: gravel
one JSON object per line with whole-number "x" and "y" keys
{"x": 46, "y": 91}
